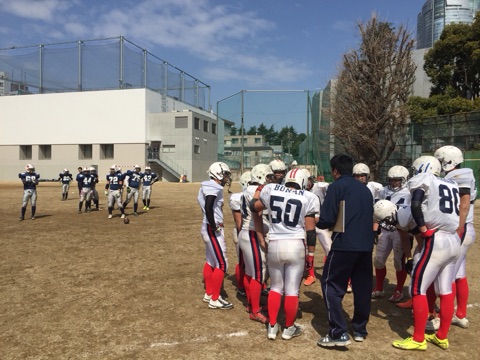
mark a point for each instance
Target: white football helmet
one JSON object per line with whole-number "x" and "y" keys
{"x": 137, "y": 167}
{"x": 148, "y": 169}
{"x": 244, "y": 179}
{"x": 65, "y": 170}
{"x": 385, "y": 212}
{"x": 261, "y": 174}
{"x": 118, "y": 168}
{"x": 220, "y": 171}
{"x": 397, "y": 172}
{"x": 427, "y": 164}
{"x": 113, "y": 168}
{"x": 361, "y": 169}
{"x": 277, "y": 165}
{"x": 297, "y": 176}
{"x": 449, "y": 156}
{"x": 30, "y": 168}
{"x": 86, "y": 169}
{"x": 92, "y": 169}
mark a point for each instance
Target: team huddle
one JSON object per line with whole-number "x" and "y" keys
{"x": 133, "y": 182}
{"x": 425, "y": 219}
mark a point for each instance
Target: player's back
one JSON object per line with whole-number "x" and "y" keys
{"x": 440, "y": 204}
{"x": 287, "y": 210}
{"x": 465, "y": 179}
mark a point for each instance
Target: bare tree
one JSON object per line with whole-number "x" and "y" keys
{"x": 369, "y": 102}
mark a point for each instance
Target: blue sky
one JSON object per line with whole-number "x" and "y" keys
{"x": 229, "y": 45}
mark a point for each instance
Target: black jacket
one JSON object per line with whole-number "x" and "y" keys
{"x": 358, "y": 235}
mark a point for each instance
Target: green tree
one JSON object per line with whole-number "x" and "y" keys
{"x": 453, "y": 63}
{"x": 234, "y": 131}
{"x": 369, "y": 100}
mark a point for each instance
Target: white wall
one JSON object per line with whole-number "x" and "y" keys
{"x": 92, "y": 117}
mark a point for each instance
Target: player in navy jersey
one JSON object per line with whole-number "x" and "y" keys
{"x": 79, "y": 184}
{"x": 65, "y": 178}
{"x": 95, "y": 197}
{"x": 30, "y": 181}
{"x": 148, "y": 178}
{"x": 86, "y": 179}
{"x": 133, "y": 187}
{"x": 113, "y": 189}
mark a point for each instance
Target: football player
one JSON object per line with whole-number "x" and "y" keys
{"x": 397, "y": 193}
{"x": 30, "y": 181}
{"x": 451, "y": 159}
{"x": 253, "y": 253}
{"x": 291, "y": 211}
{"x": 279, "y": 170}
{"x": 95, "y": 197}
{"x": 65, "y": 178}
{"x": 434, "y": 204}
{"x": 148, "y": 178}
{"x": 133, "y": 187}
{"x": 86, "y": 179}
{"x": 113, "y": 189}
{"x": 235, "y": 204}
{"x": 210, "y": 199}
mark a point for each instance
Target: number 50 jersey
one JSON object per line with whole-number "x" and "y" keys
{"x": 287, "y": 209}
{"x": 441, "y": 201}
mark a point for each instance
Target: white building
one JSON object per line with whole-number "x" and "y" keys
{"x": 100, "y": 128}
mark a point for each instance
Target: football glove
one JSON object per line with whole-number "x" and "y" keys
{"x": 409, "y": 266}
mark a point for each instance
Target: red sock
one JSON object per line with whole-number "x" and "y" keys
{"x": 401, "y": 277}
{"x": 311, "y": 272}
{"x": 380, "y": 275}
{"x": 239, "y": 275}
{"x": 246, "y": 285}
{"x": 420, "y": 317}
{"x": 207, "y": 277}
{"x": 274, "y": 301}
{"x": 446, "y": 315}
{"x": 462, "y": 297}
{"x": 431, "y": 298}
{"x": 290, "y": 308}
{"x": 217, "y": 282}
{"x": 255, "y": 291}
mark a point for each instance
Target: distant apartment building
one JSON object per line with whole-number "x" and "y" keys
{"x": 255, "y": 150}
{"x": 436, "y": 14}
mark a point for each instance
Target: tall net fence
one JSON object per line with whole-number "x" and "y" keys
{"x": 100, "y": 64}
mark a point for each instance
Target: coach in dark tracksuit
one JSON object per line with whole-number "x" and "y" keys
{"x": 350, "y": 255}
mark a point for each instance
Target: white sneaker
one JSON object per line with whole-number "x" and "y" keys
{"x": 463, "y": 323}
{"x": 123, "y": 216}
{"x": 376, "y": 294}
{"x": 272, "y": 331}
{"x": 110, "y": 216}
{"x": 206, "y": 298}
{"x": 220, "y": 304}
{"x": 433, "y": 324}
{"x": 292, "y": 331}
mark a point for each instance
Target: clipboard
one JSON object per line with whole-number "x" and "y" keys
{"x": 340, "y": 223}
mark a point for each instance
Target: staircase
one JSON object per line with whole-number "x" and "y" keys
{"x": 168, "y": 165}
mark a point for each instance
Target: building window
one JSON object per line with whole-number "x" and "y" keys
{"x": 196, "y": 122}
{"x": 106, "y": 151}
{"x": 44, "y": 152}
{"x": 181, "y": 122}
{"x": 214, "y": 129}
{"x": 258, "y": 140}
{"x": 168, "y": 148}
{"x": 25, "y": 152}
{"x": 205, "y": 125}
{"x": 235, "y": 141}
{"x": 84, "y": 151}
{"x": 196, "y": 149}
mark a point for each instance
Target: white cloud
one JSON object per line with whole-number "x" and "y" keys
{"x": 44, "y": 10}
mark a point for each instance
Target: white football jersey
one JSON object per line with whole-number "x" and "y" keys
{"x": 235, "y": 202}
{"x": 398, "y": 197}
{"x": 405, "y": 219}
{"x": 248, "y": 223}
{"x": 320, "y": 189}
{"x": 465, "y": 179}
{"x": 210, "y": 187}
{"x": 441, "y": 201}
{"x": 374, "y": 188}
{"x": 287, "y": 209}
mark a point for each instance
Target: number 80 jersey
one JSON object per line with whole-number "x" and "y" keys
{"x": 287, "y": 209}
{"x": 440, "y": 205}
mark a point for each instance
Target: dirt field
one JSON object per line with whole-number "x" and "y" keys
{"x": 80, "y": 286}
